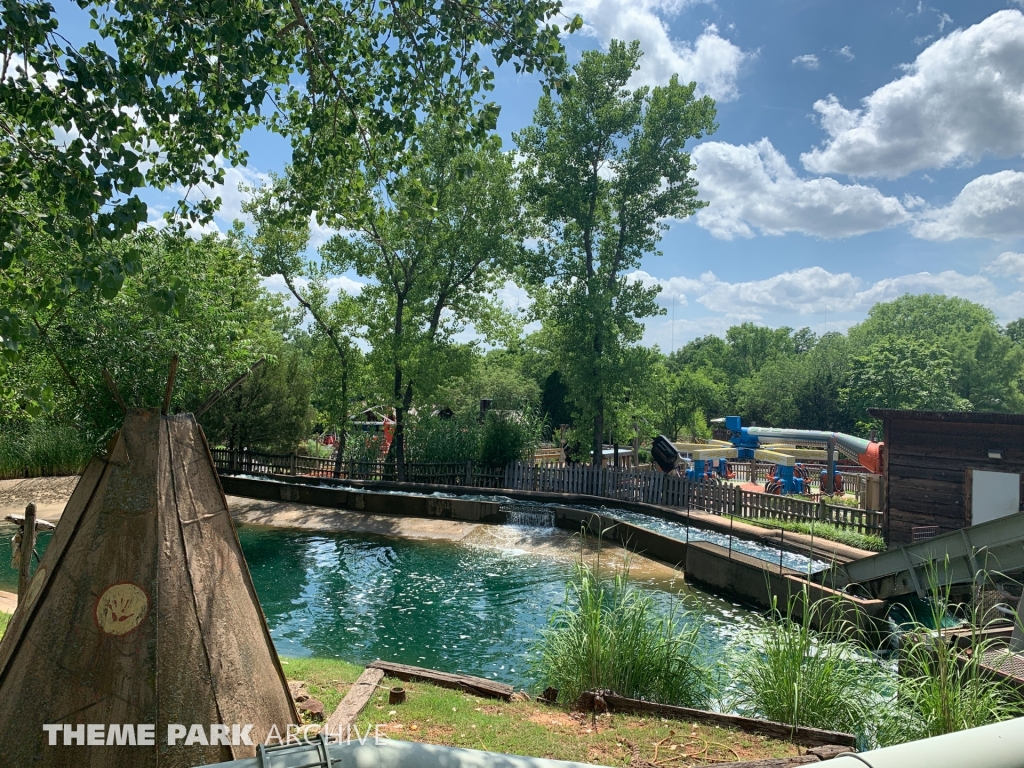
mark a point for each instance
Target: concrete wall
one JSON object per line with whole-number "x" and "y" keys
{"x": 795, "y": 543}
{"x": 749, "y": 579}
{"x": 371, "y": 503}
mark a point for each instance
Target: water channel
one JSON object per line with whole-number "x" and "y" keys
{"x": 457, "y": 607}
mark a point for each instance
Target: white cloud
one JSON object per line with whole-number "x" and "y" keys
{"x": 1007, "y": 264}
{"x": 808, "y": 61}
{"x": 804, "y": 291}
{"x": 711, "y": 60}
{"x": 815, "y": 290}
{"x": 753, "y": 187}
{"x": 674, "y": 288}
{"x": 846, "y": 53}
{"x": 962, "y": 97}
{"x": 989, "y": 206}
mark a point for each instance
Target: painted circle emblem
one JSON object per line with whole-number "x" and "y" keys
{"x": 121, "y": 609}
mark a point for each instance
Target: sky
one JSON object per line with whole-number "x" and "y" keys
{"x": 865, "y": 149}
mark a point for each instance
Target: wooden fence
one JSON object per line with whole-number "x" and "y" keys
{"x": 623, "y": 484}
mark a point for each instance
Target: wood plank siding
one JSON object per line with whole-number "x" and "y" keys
{"x": 928, "y": 460}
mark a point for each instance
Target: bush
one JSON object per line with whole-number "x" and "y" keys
{"x": 507, "y": 437}
{"x": 433, "y": 439}
{"x": 43, "y": 448}
{"x": 939, "y": 689}
{"x": 787, "y": 672}
{"x": 608, "y": 635}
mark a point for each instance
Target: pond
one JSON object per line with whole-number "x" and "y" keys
{"x": 448, "y": 606}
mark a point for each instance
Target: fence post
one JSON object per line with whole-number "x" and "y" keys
{"x": 295, "y": 457}
{"x": 737, "y": 502}
{"x": 469, "y": 472}
{"x": 28, "y": 545}
{"x": 822, "y": 508}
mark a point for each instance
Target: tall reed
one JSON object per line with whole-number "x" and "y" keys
{"x": 784, "y": 670}
{"x": 43, "y": 448}
{"x": 941, "y": 687}
{"x": 610, "y": 635}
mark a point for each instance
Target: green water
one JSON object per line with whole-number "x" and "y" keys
{"x": 445, "y": 606}
{"x": 442, "y": 605}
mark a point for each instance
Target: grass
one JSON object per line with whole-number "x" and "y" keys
{"x": 869, "y": 541}
{"x": 42, "y": 449}
{"x": 940, "y": 689}
{"x": 787, "y": 672}
{"x": 453, "y": 718}
{"x": 5, "y": 619}
{"x": 611, "y": 635}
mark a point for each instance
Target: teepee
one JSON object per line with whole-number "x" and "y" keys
{"x": 141, "y": 612}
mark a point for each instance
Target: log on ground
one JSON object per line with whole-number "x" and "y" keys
{"x": 807, "y": 737}
{"x": 355, "y": 700}
{"x": 475, "y": 685}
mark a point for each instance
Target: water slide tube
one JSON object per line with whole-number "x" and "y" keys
{"x": 864, "y": 452}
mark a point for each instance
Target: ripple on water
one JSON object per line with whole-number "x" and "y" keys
{"x": 447, "y": 606}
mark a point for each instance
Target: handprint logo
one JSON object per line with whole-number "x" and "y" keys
{"x": 121, "y": 608}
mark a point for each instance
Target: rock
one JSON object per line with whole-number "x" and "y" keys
{"x": 519, "y": 696}
{"x": 312, "y": 708}
{"x": 297, "y": 689}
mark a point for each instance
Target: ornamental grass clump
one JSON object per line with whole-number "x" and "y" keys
{"x": 610, "y": 635}
{"x": 940, "y": 687}
{"x": 43, "y": 448}
{"x": 784, "y": 670}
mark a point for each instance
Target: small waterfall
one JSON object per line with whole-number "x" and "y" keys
{"x": 532, "y": 515}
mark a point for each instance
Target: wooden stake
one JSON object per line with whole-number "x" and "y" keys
{"x": 212, "y": 399}
{"x": 170, "y": 385}
{"x": 113, "y": 390}
{"x": 28, "y": 545}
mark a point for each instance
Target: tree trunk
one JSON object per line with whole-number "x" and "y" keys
{"x": 343, "y": 427}
{"x": 399, "y": 438}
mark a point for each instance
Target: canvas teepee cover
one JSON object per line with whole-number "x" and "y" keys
{"x": 142, "y": 611}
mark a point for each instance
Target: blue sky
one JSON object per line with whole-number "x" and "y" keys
{"x": 865, "y": 149}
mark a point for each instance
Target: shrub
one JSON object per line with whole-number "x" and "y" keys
{"x": 43, "y": 448}
{"x": 939, "y": 688}
{"x": 608, "y": 635}
{"x": 787, "y": 672}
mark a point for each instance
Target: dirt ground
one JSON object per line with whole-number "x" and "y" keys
{"x": 49, "y": 493}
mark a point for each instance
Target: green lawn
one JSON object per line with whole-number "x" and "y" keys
{"x": 868, "y": 541}
{"x": 453, "y": 718}
{"x": 4, "y": 620}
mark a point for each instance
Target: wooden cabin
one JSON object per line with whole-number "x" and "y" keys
{"x": 945, "y": 470}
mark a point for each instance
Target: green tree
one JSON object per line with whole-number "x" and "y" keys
{"x": 279, "y": 246}
{"x": 219, "y": 320}
{"x": 270, "y": 410}
{"x": 604, "y": 167}
{"x": 753, "y": 346}
{"x": 684, "y": 400}
{"x": 164, "y": 95}
{"x": 986, "y": 365}
{"x": 1015, "y": 331}
{"x": 898, "y": 372}
{"x": 435, "y": 250}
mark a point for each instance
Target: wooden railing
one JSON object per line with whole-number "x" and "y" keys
{"x": 623, "y": 484}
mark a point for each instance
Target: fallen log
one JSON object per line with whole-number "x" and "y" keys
{"x": 807, "y": 737}
{"x": 355, "y": 701}
{"x": 475, "y": 685}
